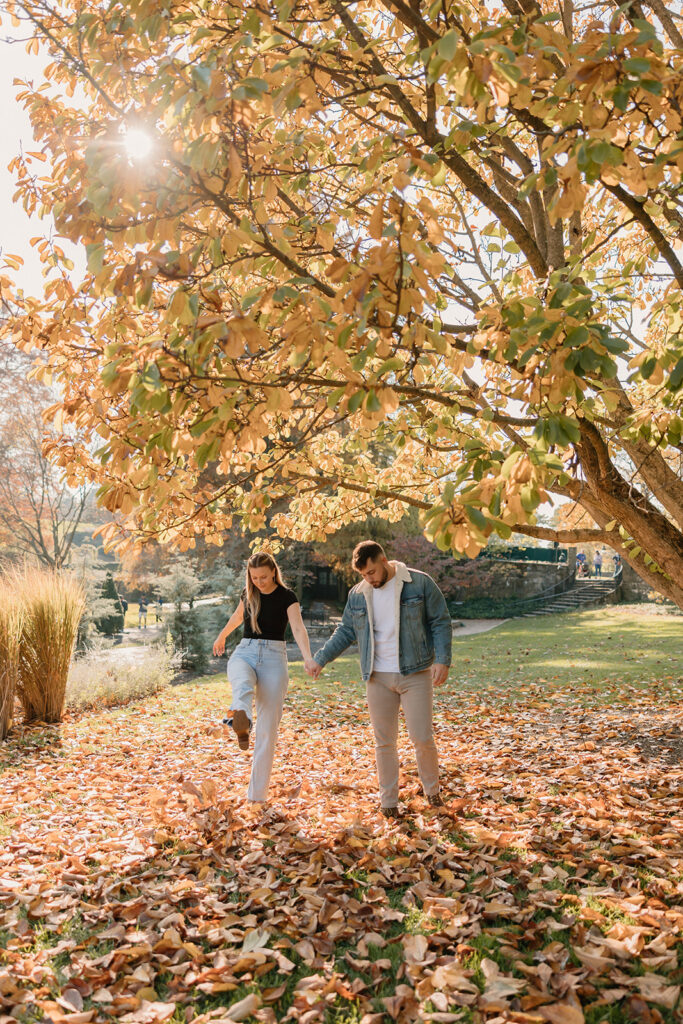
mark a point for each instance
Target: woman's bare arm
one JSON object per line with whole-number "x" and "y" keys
{"x": 300, "y": 632}
{"x": 235, "y": 620}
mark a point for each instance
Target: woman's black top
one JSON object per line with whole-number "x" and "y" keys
{"x": 272, "y": 618}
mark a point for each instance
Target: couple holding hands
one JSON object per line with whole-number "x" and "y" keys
{"x": 398, "y": 618}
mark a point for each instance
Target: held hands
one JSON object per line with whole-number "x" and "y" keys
{"x": 439, "y": 674}
{"x": 219, "y": 645}
{"x": 312, "y": 668}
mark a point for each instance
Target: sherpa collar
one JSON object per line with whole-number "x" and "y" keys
{"x": 402, "y": 575}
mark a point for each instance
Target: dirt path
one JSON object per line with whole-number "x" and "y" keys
{"x": 468, "y": 627}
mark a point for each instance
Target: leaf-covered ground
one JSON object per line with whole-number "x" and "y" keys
{"x": 136, "y": 885}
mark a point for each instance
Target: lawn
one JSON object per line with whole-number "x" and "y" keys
{"x": 132, "y": 617}
{"x": 135, "y": 884}
{"x": 594, "y": 654}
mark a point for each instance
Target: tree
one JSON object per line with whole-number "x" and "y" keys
{"x": 447, "y": 230}
{"x": 39, "y": 512}
{"x": 112, "y": 622}
{"x": 181, "y": 586}
{"x": 103, "y": 611}
{"x": 144, "y": 567}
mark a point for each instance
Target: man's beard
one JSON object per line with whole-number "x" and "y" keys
{"x": 383, "y": 581}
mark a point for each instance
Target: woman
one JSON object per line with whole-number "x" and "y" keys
{"x": 259, "y": 662}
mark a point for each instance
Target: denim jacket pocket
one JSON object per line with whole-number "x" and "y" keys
{"x": 414, "y": 639}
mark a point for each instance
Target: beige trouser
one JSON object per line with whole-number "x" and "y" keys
{"x": 387, "y": 692}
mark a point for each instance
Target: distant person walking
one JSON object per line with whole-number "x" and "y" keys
{"x": 158, "y": 610}
{"x": 142, "y": 614}
{"x": 617, "y": 562}
{"x": 400, "y": 621}
{"x": 258, "y": 666}
{"x": 597, "y": 562}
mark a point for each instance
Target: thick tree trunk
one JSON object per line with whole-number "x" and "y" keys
{"x": 607, "y": 496}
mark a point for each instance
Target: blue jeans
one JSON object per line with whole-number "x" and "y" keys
{"x": 259, "y": 668}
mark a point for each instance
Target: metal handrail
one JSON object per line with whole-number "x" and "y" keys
{"x": 560, "y": 587}
{"x": 544, "y": 595}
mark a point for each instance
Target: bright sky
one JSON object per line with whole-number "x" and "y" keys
{"x": 15, "y": 226}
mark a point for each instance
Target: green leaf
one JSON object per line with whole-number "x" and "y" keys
{"x": 249, "y": 88}
{"x": 528, "y": 186}
{"x": 355, "y": 401}
{"x": 447, "y": 46}
{"x": 577, "y": 336}
{"x": 389, "y": 365}
{"x": 250, "y": 297}
{"x": 476, "y": 516}
{"x": 615, "y": 345}
{"x": 676, "y": 377}
{"x": 372, "y": 402}
{"x": 440, "y": 176}
{"x": 201, "y": 75}
{"x": 605, "y": 153}
{"x": 95, "y": 256}
{"x": 637, "y": 65}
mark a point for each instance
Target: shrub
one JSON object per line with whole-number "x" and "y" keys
{"x": 189, "y": 639}
{"x": 211, "y": 619}
{"x": 11, "y": 620}
{"x": 111, "y": 622}
{"x": 53, "y": 604}
{"x": 103, "y": 609}
{"x": 108, "y": 677}
{"x": 483, "y": 608}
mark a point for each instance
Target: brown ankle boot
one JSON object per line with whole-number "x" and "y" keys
{"x": 242, "y": 727}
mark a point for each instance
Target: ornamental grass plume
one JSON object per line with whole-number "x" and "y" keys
{"x": 53, "y": 604}
{"x": 11, "y": 622}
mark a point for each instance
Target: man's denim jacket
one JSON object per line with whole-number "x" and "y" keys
{"x": 424, "y": 625}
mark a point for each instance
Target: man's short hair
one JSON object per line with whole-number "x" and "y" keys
{"x": 366, "y": 551}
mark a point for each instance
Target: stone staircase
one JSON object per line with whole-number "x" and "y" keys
{"x": 585, "y": 593}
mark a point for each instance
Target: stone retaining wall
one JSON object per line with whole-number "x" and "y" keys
{"x": 633, "y": 588}
{"x": 502, "y": 580}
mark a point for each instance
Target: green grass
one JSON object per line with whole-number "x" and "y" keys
{"x": 483, "y": 946}
{"x": 599, "y": 647}
{"x": 131, "y": 618}
{"x": 599, "y": 650}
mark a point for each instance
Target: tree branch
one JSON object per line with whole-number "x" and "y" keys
{"x": 577, "y": 536}
{"x": 637, "y": 208}
{"x": 436, "y": 141}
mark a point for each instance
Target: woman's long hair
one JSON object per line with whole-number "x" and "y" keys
{"x": 259, "y": 560}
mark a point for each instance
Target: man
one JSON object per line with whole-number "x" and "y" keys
{"x": 597, "y": 562}
{"x": 399, "y": 619}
